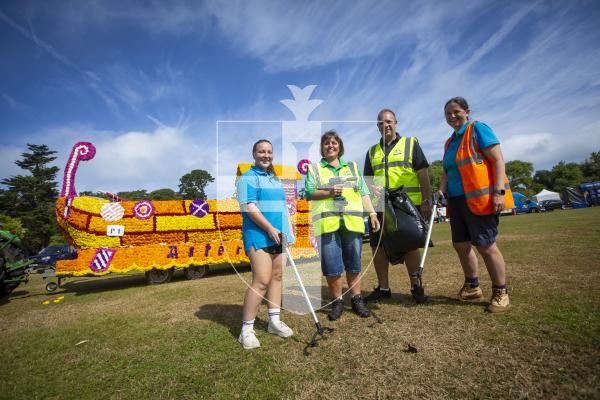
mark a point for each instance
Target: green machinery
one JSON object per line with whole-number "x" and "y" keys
{"x": 13, "y": 264}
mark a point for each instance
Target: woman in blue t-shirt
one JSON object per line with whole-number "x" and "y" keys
{"x": 475, "y": 200}
{"x": 264, "y": 217}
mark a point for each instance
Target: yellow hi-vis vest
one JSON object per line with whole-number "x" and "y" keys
{"x": 325, "y": 215}
{"x": 400, "y": 168}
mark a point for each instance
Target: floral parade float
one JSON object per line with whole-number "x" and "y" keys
{"x": 155, "y": 236}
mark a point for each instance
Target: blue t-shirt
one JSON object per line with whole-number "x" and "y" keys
{"x": 484, "y": 136}
{"x": 263, "y": 189}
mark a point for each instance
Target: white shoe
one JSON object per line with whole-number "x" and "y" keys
{"x": 248, "y": 339}
{"x": 280, "y": 329}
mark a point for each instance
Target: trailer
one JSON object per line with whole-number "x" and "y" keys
{"x": 114, "y": 235}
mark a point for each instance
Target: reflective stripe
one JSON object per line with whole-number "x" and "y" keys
{"x": 411, "y": 189}
{"x": 352, "y": 164}
{"x": 484, "y": 191}
{"x": 466, "y": 161}
{"x": 479, "y": 192}
{"x": 407, "y": 156}
{"x": 317, "y": 177}
{"x": 404, "y": 164}
{"x": 372, "y": 153}
{"x": 327, "y": 214}
{"x": 479, "y": 157}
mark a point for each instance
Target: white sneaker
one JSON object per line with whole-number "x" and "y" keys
{"x": 280, "y": 329}
{"x": 248, "y": 339}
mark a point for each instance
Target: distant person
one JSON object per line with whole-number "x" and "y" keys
{"x": 264, "y": 217}
{"x": 406, "y": 166}
{"x": 337, "y": 215}
{"x": 477, "y": 190}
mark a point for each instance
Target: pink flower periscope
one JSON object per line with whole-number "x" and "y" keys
{"x": 121, "y": 236}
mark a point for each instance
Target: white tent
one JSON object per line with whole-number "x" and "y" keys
{"x": 546, "y": 195}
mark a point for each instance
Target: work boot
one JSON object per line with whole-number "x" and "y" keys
{"x": 419, "y": 294}
{"x": 337, "y": 308}
{"x": 377, "y": 294}
{"x": 467, "y": 293}
{"x": 499, "y": 301}
{"x": 359, "y": 308}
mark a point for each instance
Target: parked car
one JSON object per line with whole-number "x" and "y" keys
{"x": 49, "y": 255}
{"x": 550, "y": 205}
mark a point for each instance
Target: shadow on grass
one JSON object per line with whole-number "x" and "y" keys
{"x": 88, "y": 285}
{"x": 228, "y": 315}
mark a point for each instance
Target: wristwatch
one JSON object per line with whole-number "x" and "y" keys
{"x": 501, "y": 192}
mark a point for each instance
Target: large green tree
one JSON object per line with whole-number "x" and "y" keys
{"x": 192, "y": 185}
{"x": 31, "y": 197}
{"x": 164, "y": 194}
{"x": 140, "y": 194}
{"x": 566, "y": 174}
{"x": 435, "y": 174}
{"x": 591, "y": 167}
{"x": 520, "y": 176}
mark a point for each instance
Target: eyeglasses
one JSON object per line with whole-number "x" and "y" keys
{"x": 387, "y": 122}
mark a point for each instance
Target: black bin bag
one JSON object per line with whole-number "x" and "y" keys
{"x": 404, "y": 229}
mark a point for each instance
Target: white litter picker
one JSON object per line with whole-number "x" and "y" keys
{"x": 320, "y": 329}
{"x": 419, "y": 272}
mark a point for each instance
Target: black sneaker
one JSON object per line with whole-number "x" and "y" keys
{"x": 359, "y": 308}
{"x": 337, "y": 308}
{"x": 419, "y": 294}
{"x": 378, "y": 294}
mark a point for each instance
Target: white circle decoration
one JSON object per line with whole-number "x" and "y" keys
{"x": 112, "y": 212}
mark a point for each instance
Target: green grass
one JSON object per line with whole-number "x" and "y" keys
{"x": 179, "y": 340}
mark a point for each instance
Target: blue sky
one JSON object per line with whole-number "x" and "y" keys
{"x": 146, "y": 82}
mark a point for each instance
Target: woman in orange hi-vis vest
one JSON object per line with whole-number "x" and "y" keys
{"x": 475, "y": 183}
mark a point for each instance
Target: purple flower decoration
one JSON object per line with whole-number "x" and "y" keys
{"x": 303, "y": 166}
{"x": 143, "y": 209}
{"x": 102, "y": 260}
{"x": 199, "y": 208}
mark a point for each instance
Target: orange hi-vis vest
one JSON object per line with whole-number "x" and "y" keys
{"x": 477, "y": 175}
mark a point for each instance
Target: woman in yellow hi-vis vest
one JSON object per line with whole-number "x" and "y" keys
{"x": 339, "y": 196}
{"x": 475, "y": 183}
{"x": 400, "y": 161}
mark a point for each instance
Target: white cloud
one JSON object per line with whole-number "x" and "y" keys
{"x": 299, "y": 35}
{"x": 142, "y": 160}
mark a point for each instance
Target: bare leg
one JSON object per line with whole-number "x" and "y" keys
{"x": 381, "y": 266}
{"x": 353, "y": 282}
{"x": 274, "y": 289}
{"x": 261, "y": 278}
{"x": 335, "y": 286}
{"x": 494, "y": 263}
{"x": 467, "y": 257}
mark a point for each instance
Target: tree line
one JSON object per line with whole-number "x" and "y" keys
{"x": 27, "y": 201}
{"x": 523, "y": 179}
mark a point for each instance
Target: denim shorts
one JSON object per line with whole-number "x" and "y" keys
{"x": 340, "y": 250}
{"x": 480, "y": 230}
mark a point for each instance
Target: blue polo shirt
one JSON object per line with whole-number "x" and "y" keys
{"x": 484, "y": 136}
{"x": 263, "y": 189}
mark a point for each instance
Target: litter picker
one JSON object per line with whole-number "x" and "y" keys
{"x": 320, "y": 329}
{"x": 419, "y": 272}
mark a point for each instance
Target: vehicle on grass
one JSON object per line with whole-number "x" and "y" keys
{"x": 13, "y": 265}
{"x": 550, "y": 205}
{"x": 116, "y": 235}
{"x": 525, "y": 205}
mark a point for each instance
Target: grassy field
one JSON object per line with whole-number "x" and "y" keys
{"x": 179, "y": 340}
